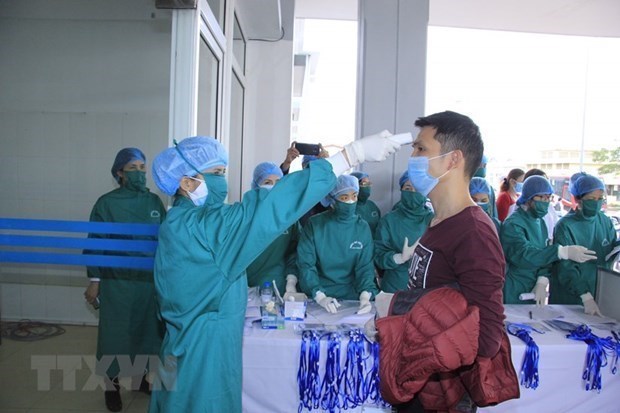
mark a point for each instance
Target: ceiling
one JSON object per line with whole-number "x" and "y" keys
{"x": 599, "y": 18}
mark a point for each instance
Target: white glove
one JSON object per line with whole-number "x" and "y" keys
{"x": 365, "y": 305}
{"x": 589, "y": 305}
{"x": 407, "y": 253}
{"x": 291, "y": 288}
{"x": 540, "y": 290}
{"x": 370, "y": 329}
{"x": 291, "y": 283}
{"x": 382, "y": 303}
{"x": 374, "y": 148}
{"x": 330, "y": 304}
{"x": 576, "y": 253}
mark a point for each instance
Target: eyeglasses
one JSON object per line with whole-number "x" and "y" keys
{"x": 545, "y": 198}
{"x": 365, "y": 184}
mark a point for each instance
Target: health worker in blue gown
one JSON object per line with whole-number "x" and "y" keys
{"x": 205, "y": 246}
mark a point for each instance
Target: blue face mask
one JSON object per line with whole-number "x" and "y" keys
{"x": 422, "y": 181}
{"x": 519, "y": 187}
{"x": 218, "y": 189}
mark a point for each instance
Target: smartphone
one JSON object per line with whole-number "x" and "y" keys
{"x": 308, "y": 148}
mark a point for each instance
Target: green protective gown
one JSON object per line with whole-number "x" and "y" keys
{"x": 128, "y": 319}
{"x": 201, "y": 286}
{"x": 524, "y": 240}
{"x": 277, "y": 261}
{"x": 370, "y": 212}
{"x": 389, "y": 239}
{"x": 570, "y": 279}
{"x": 334, "y": 255}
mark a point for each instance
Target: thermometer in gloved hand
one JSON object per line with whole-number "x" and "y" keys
{"x": 402, "y": 138}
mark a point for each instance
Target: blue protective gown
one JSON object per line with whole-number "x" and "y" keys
{"x": 571, "y": 279}
{"x": 202, "y": 287}
{"x": 524, "y": 241}
{"x": 389, "y": 239}
{"x": 335, "y": 256}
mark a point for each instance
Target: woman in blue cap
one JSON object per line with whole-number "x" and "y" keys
{"x": 524, "y": 240}
{"x": 481, "y": 192}
{"x": 366, "y": 208}
{"x": 279, "y": 261}
{"x": 335, "y": 252}
{"x": 574, "y": 282}
{"x": 128, "y": 321}
{"x": 396, "y": 235}
{"x": 204, "y": 249}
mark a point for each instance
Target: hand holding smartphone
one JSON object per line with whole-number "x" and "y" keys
{"x": 308, "y": 148}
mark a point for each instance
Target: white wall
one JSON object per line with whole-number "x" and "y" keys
{"x": 268, "y": 98}
{"x": 79, "y": 82}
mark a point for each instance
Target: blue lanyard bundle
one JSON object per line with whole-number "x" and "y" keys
{"x": 596, "y": 356}
{"x": 331, "y": 381}
{"x": 353, "y": 372}
{"x": 349, "y": 388}
{"x": 308, "y": 378}
{"x": 529, "y": 366}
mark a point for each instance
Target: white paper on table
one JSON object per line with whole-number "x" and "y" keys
{"x": 346, "y": 313}
{"x": 520, "y": 311}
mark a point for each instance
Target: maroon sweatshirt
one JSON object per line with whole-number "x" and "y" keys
{"x": 465, "y": 249}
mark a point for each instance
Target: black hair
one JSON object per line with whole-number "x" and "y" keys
{"x": 534, "y": 172}
{"x": 457, "y": 132}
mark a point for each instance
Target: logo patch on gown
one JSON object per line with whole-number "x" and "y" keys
{"x": 155, "y": 214}
{"x": 605, "y": 242}
{"x": 374, "y": 214}
{"x": 356, "y": 245}
{"x": 418, "y": 269}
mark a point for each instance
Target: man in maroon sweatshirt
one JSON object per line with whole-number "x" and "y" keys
{"x": 461, "y": 245}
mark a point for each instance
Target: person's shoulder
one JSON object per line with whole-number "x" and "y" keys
{"x": 475, "y": 222}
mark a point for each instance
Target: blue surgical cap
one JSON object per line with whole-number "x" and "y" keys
{"x": 479, "y": 186}
{"x": 263, "y": 170}
{"x": 532, "y": 186}
{"x": 189, "y": 157}
{"x": 359, "y": 175}
{"x": 403, "y": 178}
{"x": 307, "y": 159}
{"x": 573, "y": 179}
{"x": 123, "y": 157}
{"x": 586, "y": 183}
{"x": 345, "y": 183}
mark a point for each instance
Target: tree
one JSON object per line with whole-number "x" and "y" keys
{"x": 610, "y": 158}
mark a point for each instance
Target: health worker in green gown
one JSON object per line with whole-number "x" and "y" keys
{"x": 205, "y": 246}
{"x": 397, "y": 233}
{"x": 279, "y": 261}
{"x": 128, "y": 320}
{"x": 525, "y": 243}
{"x": 588, "y": 226}
{"x": 335, "y": 252}
{"x": 366, "y": 208}
{"x": 480, "y": 191}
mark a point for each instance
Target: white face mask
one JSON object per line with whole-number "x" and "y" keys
{"x": 199, "y": 196}
{"x": 267, "y": 187}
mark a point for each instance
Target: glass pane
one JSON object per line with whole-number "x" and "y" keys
{"x": 324, "y": 83}
{"x": 239, "y": 45}
{"x": 218, "y": 7}
{"x": 236, "y": 140}
{"x": 207, "y": 91}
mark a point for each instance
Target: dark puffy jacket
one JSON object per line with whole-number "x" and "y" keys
{"x": 430, "y": 351}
